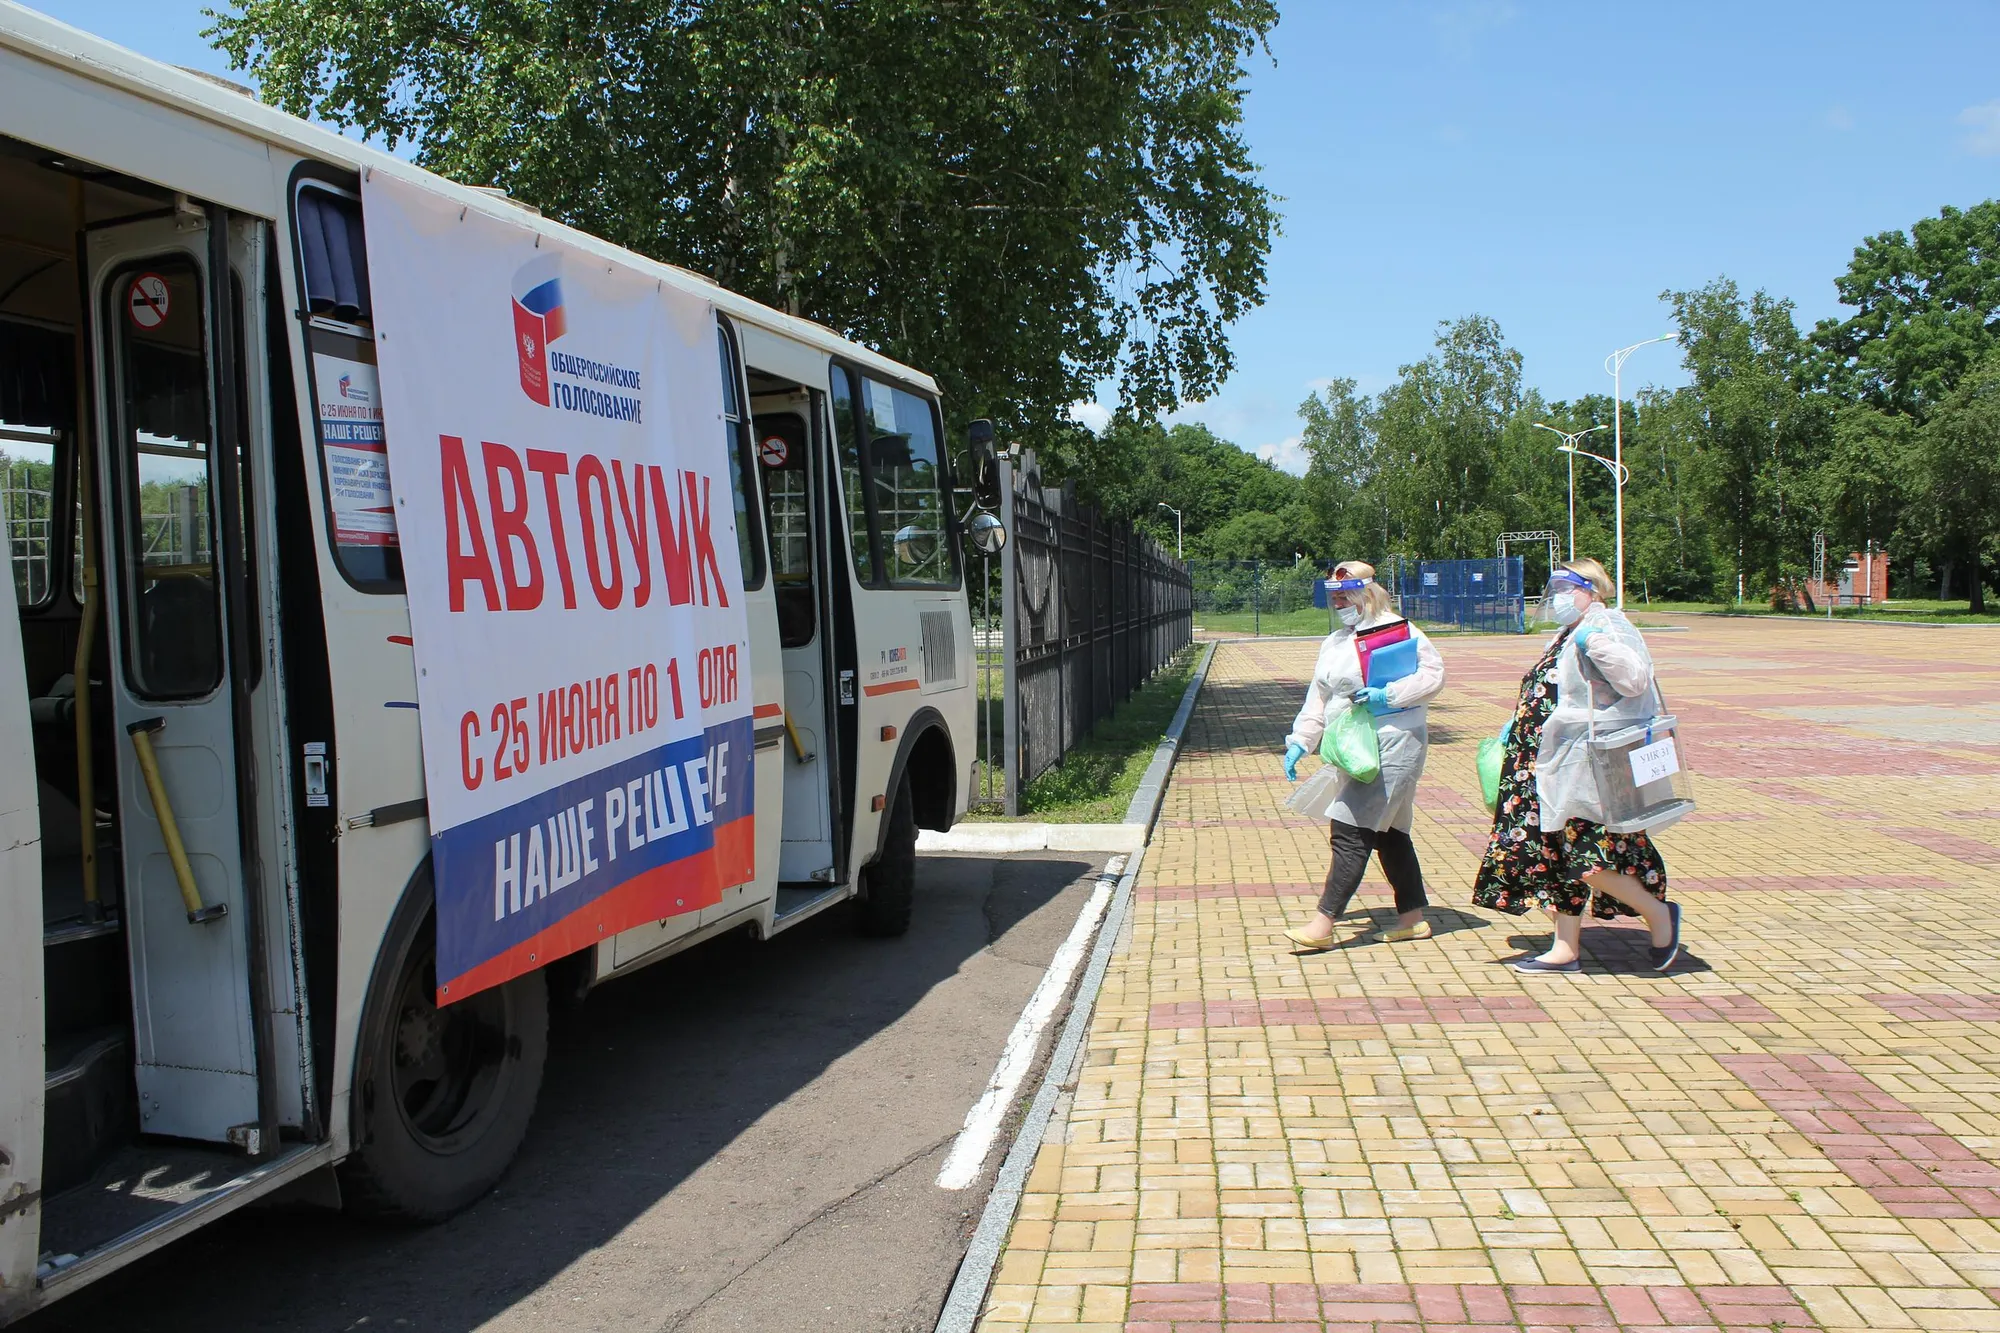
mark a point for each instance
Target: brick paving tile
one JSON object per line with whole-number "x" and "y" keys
{"x": 1942, "y": 1008}
{"x": 1797, "y": 1128}
{"x": 1713, "y": 1008}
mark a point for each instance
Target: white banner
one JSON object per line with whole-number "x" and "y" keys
{"x": 559, "y": 460}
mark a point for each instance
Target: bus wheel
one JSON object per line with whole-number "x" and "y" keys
{"x": 890, "y": 884}
{"x": 443, "y": 1096}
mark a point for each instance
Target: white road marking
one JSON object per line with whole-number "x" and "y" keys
{"x": 982, "y": 1122}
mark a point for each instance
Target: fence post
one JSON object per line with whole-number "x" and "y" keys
{"x": 1091, "y": 599}
{"x": 1015, "y": 746}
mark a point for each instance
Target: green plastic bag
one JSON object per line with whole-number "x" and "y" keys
{"x": 1490, "y": 751}
{"x": 1349, "y": 743}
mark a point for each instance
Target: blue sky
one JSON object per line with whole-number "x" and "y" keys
{"x": 1554, "y": 166}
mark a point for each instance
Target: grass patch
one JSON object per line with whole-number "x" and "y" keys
{"x": 1311, "y": 623}
{"x": 1929, "y": 610}
{"x": 1094, "y": 782}
{"x": 1310, "y": 620}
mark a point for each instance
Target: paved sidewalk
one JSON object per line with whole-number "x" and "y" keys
{"x": 1798, "y": 1128}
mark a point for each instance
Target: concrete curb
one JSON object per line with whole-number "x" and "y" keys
{"x": 967, "y": 1297}
{"x": 998, "y": 839}
{"x": 1153, "y": 786}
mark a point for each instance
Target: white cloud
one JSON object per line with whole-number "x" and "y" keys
{"x": 1460, "y": 26}
{"x": 1288, "y": 455}
{"x": 1982, "y": 135}
{"x": 1838, "y": 118}
{"x": 1093, "y": 417}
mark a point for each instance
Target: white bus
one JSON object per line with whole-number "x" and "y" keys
{"x": 217, "y": 945}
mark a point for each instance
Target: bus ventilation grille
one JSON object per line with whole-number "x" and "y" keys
{"x": 940, "y": 647}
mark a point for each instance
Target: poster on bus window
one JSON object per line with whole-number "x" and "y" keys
{"x": 557, "y": 452}
{"x": 357, "y": 459}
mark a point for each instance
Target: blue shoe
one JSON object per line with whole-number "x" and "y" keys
{"x": 1536, "y": 966}
{"x": 1663, "y": 955}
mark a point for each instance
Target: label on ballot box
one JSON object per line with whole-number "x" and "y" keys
{"x": 1652, "y": 762}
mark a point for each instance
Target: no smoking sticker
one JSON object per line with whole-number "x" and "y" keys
{"x": 147, "y": 300}
{"x": 773, "y": 452}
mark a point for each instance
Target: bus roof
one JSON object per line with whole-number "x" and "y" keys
{"x": 42, "y": 38}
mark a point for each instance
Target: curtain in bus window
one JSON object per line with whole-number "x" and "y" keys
{"x": 851, "y": 483}
{"x": 909, "y": 500}
{"x": 333, "y": 256}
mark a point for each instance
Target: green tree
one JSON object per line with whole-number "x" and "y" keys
{"x": 1927, "y": 315}
{"x": 1956, "y": 473}
{"x": 1927, "y": 310}
{"x": 1019, "y": 196}
{"x": 1340, "y": 486}
{"x": 1437, "y": 436}
{"x": 1759, "y": 435}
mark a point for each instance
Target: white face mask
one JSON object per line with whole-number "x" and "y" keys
{"x": 1350, "y": 616}
{"x": 1564, "y": 609}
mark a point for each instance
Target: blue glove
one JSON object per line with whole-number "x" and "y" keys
{"x": 1376, "y": 698}
{"x": 1582, "y": 635}
{"x": 1293, "y": 753}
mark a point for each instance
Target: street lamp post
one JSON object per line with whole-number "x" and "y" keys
{"x": 1569, "y": 439}
{"x": 1614, "y": 365}
{"x": 1619, "y": 474}
{"x": 1177, "y": 527}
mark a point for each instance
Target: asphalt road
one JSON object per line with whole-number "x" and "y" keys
{"x": 744, "y": 1137}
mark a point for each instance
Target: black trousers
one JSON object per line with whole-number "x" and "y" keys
{"x": 1351, "y": 849}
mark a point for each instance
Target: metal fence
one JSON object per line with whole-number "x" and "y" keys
{"x": 1258, "y": 596}
{"x": 1092, "y": 610}
{"x": 1472, "y": 594}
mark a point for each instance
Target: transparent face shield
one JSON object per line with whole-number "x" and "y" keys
{"x": 1562, "y": 601}
{"x": 1344, "y": 595}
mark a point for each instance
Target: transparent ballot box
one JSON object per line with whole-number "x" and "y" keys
{"x": 1643, "y": 777}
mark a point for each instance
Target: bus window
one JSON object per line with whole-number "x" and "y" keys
{"x": 347, "y": 392}
{"x": 848, "y": 435}
{"x": 27, "y": 501}
{"x": 171, "y": 606}
{"x": 736, "y": 425}
{"x": 903, "y": 463}
{"x": 37, "y": 407}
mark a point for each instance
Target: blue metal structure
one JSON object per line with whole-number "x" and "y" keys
{"x": 1473, "y": 594}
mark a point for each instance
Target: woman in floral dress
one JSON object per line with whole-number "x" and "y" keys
{"x": 1546, "y": 849}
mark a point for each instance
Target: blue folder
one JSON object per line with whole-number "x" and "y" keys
{"x": 1392, "y": 662}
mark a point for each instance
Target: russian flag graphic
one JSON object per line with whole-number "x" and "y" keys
{"x": 538, "y": 321}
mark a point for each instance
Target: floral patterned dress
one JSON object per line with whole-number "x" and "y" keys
{"x": 1525, "y": 867}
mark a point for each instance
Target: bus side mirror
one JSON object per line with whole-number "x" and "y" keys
{"x": 986, "y": 533}
{"x": 984, "y": 463}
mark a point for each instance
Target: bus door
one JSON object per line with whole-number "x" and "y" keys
{"x": 170, "y": 544}
{"x": 909, "y": 612}
{"x": 793, "y": 475}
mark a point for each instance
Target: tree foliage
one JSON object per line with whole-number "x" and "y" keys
{"x": 1022, "y": 197}
{"x": 1234, "y": 506}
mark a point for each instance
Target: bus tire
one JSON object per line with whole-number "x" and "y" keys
{"x": 442, "y": 1097}
{"x": 889, "y": 884}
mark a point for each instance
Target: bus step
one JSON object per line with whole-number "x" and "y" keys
{"x": 90, "y": 1105}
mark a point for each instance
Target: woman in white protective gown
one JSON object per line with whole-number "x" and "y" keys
{"x": 1369, "y": 818}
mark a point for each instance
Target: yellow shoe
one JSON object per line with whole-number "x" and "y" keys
{"x": 1317, "y": 943}
{"x": 1402, "y": 934}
